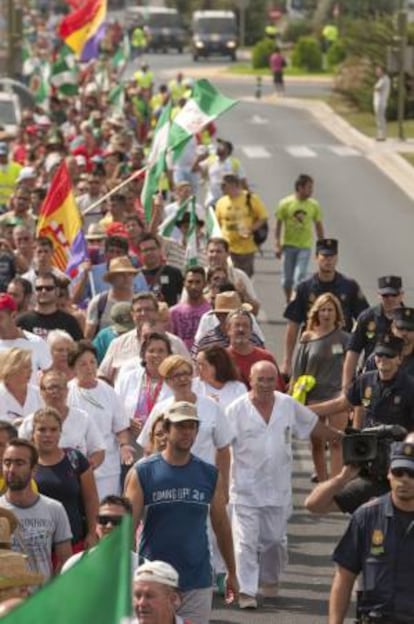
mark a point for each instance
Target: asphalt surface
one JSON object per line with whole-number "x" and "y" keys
{"x": 373, "y": 219}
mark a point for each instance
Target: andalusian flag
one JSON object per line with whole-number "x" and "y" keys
{"x": 169, "y": 224}
{"x": 156, "y": 161}
{"x": 171, "y": 136}
{"x": 65, "y": 72}
{"x": 96, "y": 589}
{"x": 81, "y": 26}
{"x": 204, "y": 106}
{"x": 116, "y": 98}
{"x": 191, "y": 251}
{"x": 61, "y": 222}
{"x": 212, "y": 225}
{"x": 121, "y": 57}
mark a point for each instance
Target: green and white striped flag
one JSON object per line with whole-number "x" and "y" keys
{"x": 65, "y": 72}
{"x": 167, "y": 226}
{"x": 212, "y": 225}
{"x": 122, "y": 55}
{"x": 116, "y": 98}
{"x": 204, "y": 106}
{"x": 191, "y": 252}
{"x": 29, "y": 62}
{"x": 39, "y": 84}
{"x": 156, "y": 161}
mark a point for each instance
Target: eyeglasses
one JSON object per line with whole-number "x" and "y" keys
{"x": 105, "y": 520}
{"x": 400, "y": 472}
{"x": 47, "y": 288}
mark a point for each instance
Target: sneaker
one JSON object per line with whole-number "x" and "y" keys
{"x": 247, "y": 602}
{"x": 269, "y": 591}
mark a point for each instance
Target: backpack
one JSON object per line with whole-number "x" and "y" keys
{"x": 260, "y": 235}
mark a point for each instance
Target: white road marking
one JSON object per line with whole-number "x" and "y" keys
{"x": 255, "y": 151}
{"x": 300, "y": 151}
{"x": 257, "y": 119}
{"x": 344, "y": 150}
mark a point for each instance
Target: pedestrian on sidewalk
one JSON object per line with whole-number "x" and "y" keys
{"x": 381, "y": 96}
{"x": 277, "y": 63}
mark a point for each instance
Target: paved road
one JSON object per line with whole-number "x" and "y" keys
{"x": 374, "y": 221}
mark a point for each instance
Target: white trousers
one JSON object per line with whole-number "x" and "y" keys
{"x": 108, "y": 485}
{"x": 260, "y": 543}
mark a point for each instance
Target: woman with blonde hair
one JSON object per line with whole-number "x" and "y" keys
{"x": 61, "y": 344}
{"x": 320, "y": 355}
{"x": 18, "y": 397}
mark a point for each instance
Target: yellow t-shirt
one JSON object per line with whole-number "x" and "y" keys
{"x": 235, "y": 218}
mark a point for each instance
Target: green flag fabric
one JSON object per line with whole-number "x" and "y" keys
{"x": 167, "y": 226}
{"x": 121, "y": 57}
{"x": 191, "y": 252}
{"x": 96, "y": 589}
{"x": 205, "y": 105}
{"x": 64, "y": 72}
{"x": 156, "y": 164}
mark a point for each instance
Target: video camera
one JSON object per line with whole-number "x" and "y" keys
{"x": 370, "y": 448}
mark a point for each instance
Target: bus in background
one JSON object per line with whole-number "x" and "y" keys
{"x": 214, "y": 32}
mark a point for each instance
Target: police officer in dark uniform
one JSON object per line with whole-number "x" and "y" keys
{"x": 371, "y": 323}
{"x": 384, "y": 396}
{"x": 326, "y": 279}
{"x": 403, "y": 327}
{"x": 379, "y": 545}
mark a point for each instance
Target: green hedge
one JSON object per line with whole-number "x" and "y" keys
{"x": 307, "y": 54}
{"x": 261, "y": 53}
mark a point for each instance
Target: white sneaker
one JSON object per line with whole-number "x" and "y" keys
{"x": 269, "y": 591}
{"x": 247, "y": 602}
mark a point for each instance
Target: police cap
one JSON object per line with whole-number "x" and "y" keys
{"x": 402, "y": 455}
{"x": 327, "y": 246}
{"x": 389, "y": 285}
{"x": 389, "y": 345}
{"x": 404, "y": 318}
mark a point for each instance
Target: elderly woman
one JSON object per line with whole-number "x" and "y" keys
{"x": 102, "y": 403}
{"x": 65, "y": 475}
{"x": 217, "y": 376}
{"x": 140, "y": 388}
{"x": 18, "y": 397}
{"x": 60, "y": 344}
{"x": 320, "y": 354}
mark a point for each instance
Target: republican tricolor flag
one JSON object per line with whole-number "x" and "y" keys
{"x": 61, "y": 222}
{"x": 83, "y": 26}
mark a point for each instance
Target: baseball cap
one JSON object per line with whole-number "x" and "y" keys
{"x": 181, "y": 411}
{"x": 402, "y": 455}
{"x": 7, "y": 302}
{"x": 327, "y": 246}
{"x": 121, "y": 317}
{"x": 404, "y": 318}
{"x": 389, "y": 285}
{"x": 157, "y": 572}
{"x": 389, "y": 345}
{"x": 26, "y": 173}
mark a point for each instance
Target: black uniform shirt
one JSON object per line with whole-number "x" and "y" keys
{"x": 370, "y": 324}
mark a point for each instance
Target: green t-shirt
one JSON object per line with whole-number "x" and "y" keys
{"x": 298, "y": 217}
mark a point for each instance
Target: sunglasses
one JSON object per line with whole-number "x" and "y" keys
{"x": 105, "y": 520}
{"x": 389, "y": 295}
{"x": 47, "y": 288}
{"x": 400, "y": 472}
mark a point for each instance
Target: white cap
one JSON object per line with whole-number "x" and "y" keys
{"x": 157, "y": 572}
{"x": 26, "y": 173}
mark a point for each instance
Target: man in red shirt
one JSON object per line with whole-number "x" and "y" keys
{"x": 242, "y": 351}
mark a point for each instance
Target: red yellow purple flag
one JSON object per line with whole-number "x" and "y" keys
{"x": 61, "y": 222}
{"x": 77, "y": 28}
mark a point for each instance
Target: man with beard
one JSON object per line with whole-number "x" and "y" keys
{"x": 43, "y": 522}
{"x": 185, "y": 316}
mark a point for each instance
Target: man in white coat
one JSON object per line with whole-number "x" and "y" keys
{"x": 263, "y": 423}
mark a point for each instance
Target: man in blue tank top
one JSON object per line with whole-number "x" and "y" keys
{"x": 178, "y": 491}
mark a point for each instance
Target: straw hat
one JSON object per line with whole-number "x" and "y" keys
{"x": 8, "y": 524}
{"x": 119, "y": 265}
{"x": 229, "y": 301}
{"x": 14, "y": 571}
{"x": 95, "y": 232}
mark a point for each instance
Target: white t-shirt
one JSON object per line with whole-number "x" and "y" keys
{"x": 41, "y": 358}
{"x": 129, "y": 386}
{"x": 231, "y": 391}
{"x": 104, "y": 406}
{"x": 261, "y": 467}
{"x": 79, "y": 431}
{"x": 214, "y": 431}
{"x": 11, "y": 409}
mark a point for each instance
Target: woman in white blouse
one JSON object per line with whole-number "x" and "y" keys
{"x": 102, "y": 403}
{"x": 217, "y": 376}
{"x": 18, "y": 397}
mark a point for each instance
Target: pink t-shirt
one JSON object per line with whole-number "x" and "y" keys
{"x": 277, "y": 62}
{"x": 185, "y": 319}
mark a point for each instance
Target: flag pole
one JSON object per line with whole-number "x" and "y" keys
{"x": 115, "y": 189}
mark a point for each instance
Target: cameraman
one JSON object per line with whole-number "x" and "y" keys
{"x": 379, "y": 544}
{"x": 384, "y": 396}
